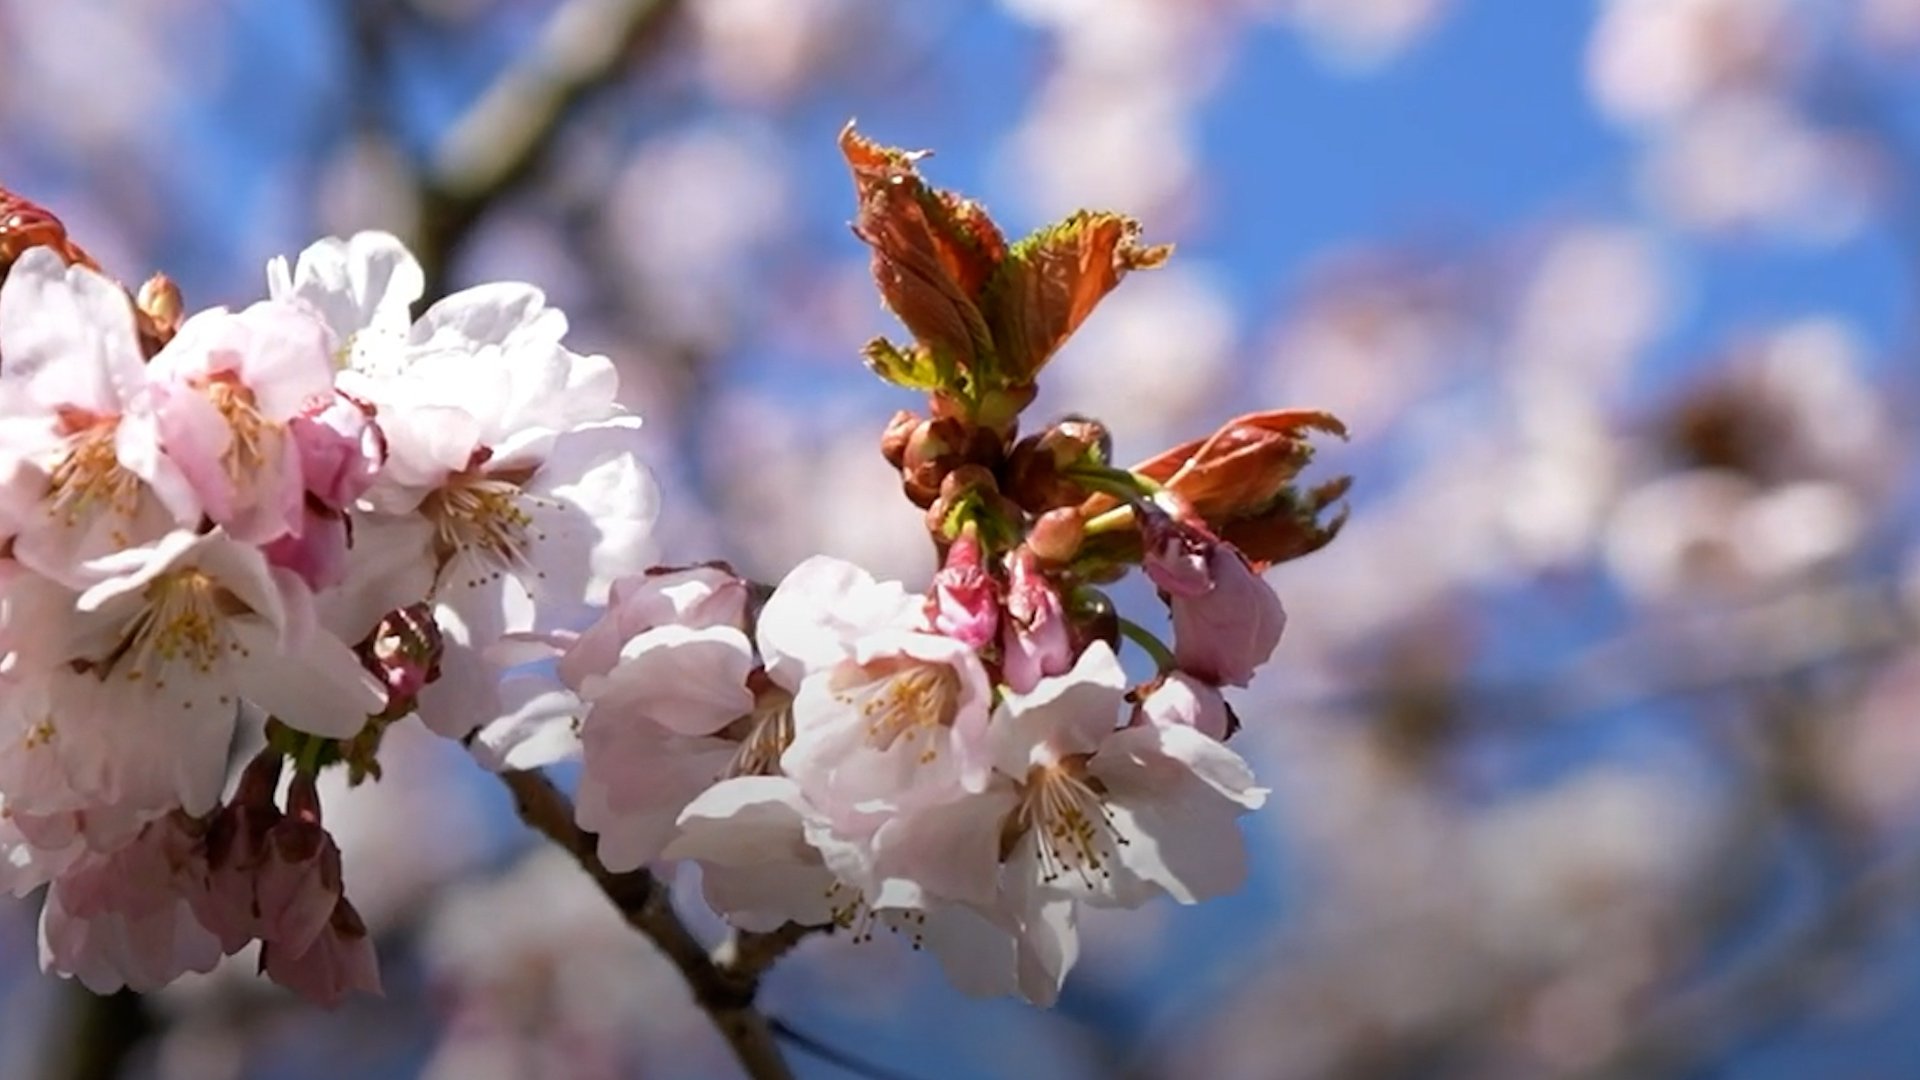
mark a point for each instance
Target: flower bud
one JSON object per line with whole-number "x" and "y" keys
{"x": 339, "y": 960}
{"x": 1056, "y": 535}
{"x": 1243, "y": 466}
{"x": 160, "y": 301}
{"x": 963, "y": 603}
{"x": 894, "y": 439}
{"x": 1179, "y": 699}
{"x": 933, "y": 449}
{"x": 1035, "y": 468}
{"x": 404, "y": 653}
{"x": 1226, "y": 619}
{"x": 1037, "y": 640}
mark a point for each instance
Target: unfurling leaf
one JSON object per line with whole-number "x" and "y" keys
{"x": 1051, "y": 281}
{"x": 912, "y": 367}
{"x": 932, "y": 255}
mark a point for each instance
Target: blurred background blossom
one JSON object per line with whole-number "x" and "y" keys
{"x": 1595, "y": 739}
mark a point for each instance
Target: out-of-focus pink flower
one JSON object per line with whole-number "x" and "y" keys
{"x": 1652, "y": 61}
{"x": 340, "y": 961}
{"x": 125, "y": 919}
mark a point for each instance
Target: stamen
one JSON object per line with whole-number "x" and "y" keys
{"x": 763, "y": 734}
{"x": 904, "y": 700}
{"x": 485, "y": 515}
{"x": 184, "y": 622}
{"x": 247, "y": 452}
{"x": 90, "y": 480}
{"x": 1072, "y": 827}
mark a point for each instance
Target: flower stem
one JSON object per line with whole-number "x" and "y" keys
{"x": 1153, "y": 646}
{"x": 723, "y": 986}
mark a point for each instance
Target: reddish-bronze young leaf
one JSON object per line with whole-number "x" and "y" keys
{"x": 1290, "y": 527}
{"x": 1050, "y": 281}
{"x": 1244, "y": 464}
{"x": 25, "y": 224}
{"x": 933, "y": 253}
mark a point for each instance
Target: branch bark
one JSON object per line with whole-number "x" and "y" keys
{"x": 724, "y": 982}
{"x": 502, "y": 140}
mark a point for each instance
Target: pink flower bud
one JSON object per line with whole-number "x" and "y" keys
{"x": 404, "y": 653}
{"x": 1223, "y": 634}
{"x": 271, "y": 876}
{"x": 338, "y": 961}
{"x": 1181, "y": 700}
{"x": 341, "y": 449}
{"x": 963, "y": 604}
{"x": 1037, "y": 642}
{"x": 1226, "y": 619}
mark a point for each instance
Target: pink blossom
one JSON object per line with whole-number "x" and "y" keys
{"x": 1110, "y": 816}
{"x": 339, "y": 961}
{"x": 124, "y": 918}
{"x": 145, "y": 669}
{"x": 80, "y": 458}
{"x": 1180, "y": 699}
{"x": 227, "y": 386}
{"x": 1226, "y": 619}
{"x": 1036, "y": 640}
{"x": 964, "y": 604}
{"x": 695, "y": 597}
{"x": 900, "y": 721}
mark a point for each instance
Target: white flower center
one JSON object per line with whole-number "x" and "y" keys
{"x": 247, "y": 451}
{"x": 848, "y": 909}
{"x": 483, "y": 515}
{"x": 904, "y": 699}
{"x": 1072, "y": 828}
{"x": 763, "y": 735}
{"x": 90, "y": 480}
{"x": 183, "y": 624}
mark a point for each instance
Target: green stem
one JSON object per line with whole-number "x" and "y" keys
{"x": 1153, "y": 646}
{"x": 1107, "y": 480}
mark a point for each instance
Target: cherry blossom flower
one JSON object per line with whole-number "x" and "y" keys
{"x": 148, "y": 668}
{"x": 82, "y": 465}
{"x": 225, "y": 390}
{"x": 125, "y": 918}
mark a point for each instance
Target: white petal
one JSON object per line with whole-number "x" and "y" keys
{"x": 951, "y": 849}
{"x": 536, "y": 728}
{"x": 1063, "y": 715}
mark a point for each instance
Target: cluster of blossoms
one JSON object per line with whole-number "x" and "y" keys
{"x": 296, "y": 524}
{"x": 310, "y": 517}
{"x": 963, "y": 765}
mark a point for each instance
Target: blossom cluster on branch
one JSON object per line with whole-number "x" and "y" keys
{"x": 290, "y": 526}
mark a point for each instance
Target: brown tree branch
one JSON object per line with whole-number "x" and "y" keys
{"x": 724, "y": 982}
{"x": 502, "y": 140}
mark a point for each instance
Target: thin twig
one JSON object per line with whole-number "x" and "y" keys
{"x": 724, "y": 991}
{"x": 505, "y": 137}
